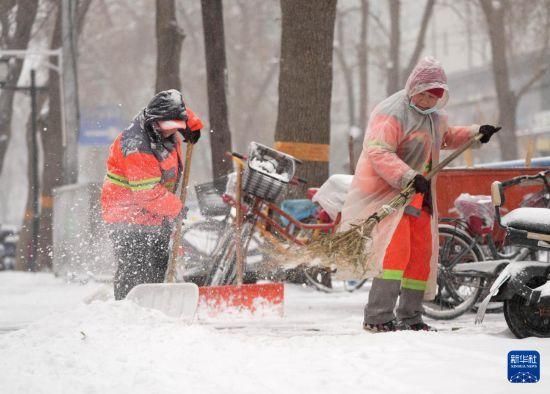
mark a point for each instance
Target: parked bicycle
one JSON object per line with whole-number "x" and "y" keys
{"x": 471, "y": 238}
{"x": 266, "y": 231}
{"x": 523, "y": 286}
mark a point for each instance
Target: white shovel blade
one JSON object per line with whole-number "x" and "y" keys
{"x": 177, "y": 300}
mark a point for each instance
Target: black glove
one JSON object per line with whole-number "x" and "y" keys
{"x": 487, "y": 130}
{"x": 421, "y": 184}
{"x": 183, "y": 214}
{"x": 169, "y": 222}
{"x": 191, "y": 136}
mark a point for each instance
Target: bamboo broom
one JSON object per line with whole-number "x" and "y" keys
{"x": 354, "y": 245}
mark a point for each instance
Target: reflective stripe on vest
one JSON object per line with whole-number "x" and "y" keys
{"x": 143, "y": 184}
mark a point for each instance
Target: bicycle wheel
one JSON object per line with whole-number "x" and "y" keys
{"x": 222, "y": 259}
{"x": 223, "y": 270}
{"x": 527, "y": 320}
{"x": 456, "y": 294}
{"x": 230, "y": 270}
{"x": 199, "y": 241}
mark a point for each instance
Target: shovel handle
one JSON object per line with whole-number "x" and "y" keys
{"x": 176, "y": 240}
{"x": 239, "y": 255}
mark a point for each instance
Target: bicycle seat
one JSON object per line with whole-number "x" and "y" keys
{"x": 535, "y": 220}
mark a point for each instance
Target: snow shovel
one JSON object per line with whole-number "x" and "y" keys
{"x": 264, "y": 297}
{"x": 177, "y": 300}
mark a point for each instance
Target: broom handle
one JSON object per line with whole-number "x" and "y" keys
{"x": 176, "y": 240}
{"x": 409, "y": 189}
{"x": 457, "y": 152}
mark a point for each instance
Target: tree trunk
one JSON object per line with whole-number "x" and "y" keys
{"x": 363, "y": 69}
{"x": 507, "y": 102}
{"x": 216, "y": 71}
{"x": 305, "y": 84}
{"x": 169, "y": 41}
{"x": 23, "y": 254}
{"x": 394, "y": 63}
{"x": 51, "y": 137}
{"x": 24, "y": 20}
{"x": 363, "y": 56}
{"x": 53, "y": 151}
{"x": 347, "y": 75}
{"x": 71, "y": 102}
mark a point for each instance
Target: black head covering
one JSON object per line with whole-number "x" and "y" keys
{"x": 166, "y": 105}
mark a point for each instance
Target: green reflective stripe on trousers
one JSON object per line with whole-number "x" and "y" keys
{"x": 413, "y": 284}
{"x": 392, "y": 274}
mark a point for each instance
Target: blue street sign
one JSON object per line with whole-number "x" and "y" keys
{"x": 100, "y": 126}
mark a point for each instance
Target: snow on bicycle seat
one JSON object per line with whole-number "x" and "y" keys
{"x": 536, "y": 220}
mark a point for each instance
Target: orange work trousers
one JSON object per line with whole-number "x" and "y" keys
{"x": 409, "y": 253}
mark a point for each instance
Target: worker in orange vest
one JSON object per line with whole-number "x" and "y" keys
{"x": 138, "y": 198}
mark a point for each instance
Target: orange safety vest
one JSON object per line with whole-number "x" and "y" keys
{"x": 142, "y": 178}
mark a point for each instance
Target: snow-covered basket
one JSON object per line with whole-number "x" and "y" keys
{"x": 267, "y": 172}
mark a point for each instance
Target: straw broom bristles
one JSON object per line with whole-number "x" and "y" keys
{"x": 353, "y": 245}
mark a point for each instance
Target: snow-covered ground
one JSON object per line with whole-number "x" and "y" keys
{"x": 52, "y": 342}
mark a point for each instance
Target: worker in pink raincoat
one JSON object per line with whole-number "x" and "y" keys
{"x": 404, "y": 136}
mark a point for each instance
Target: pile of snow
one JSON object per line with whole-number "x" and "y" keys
{"x": 318, "y": 347}
{"x": 27, "y": 297}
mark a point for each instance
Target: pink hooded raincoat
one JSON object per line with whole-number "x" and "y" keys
{"x": 400, "y": 143}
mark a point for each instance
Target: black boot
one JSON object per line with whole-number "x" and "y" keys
{"x": 391, "y": 325}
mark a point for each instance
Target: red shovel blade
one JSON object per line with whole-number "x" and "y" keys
{"x": 265, "y": 297}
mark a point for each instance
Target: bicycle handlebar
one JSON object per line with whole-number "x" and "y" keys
{"x": 541, "y": 176}
{"x": 238, "y": 156}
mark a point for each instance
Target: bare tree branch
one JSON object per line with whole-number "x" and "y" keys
{"x": 529, "y": 84}
{"x": 380, "y": 24}
{"x": 81, "y": 11}
{"x": 260, "y": 95}
{"x": 5, "y": 15}
{"x": 420, "y": 39}
{"x": 346, "y": 69}
{"x": 394, "y": 63}
{"x": 189, "y": 27}
{"x": 107, "y": 14}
